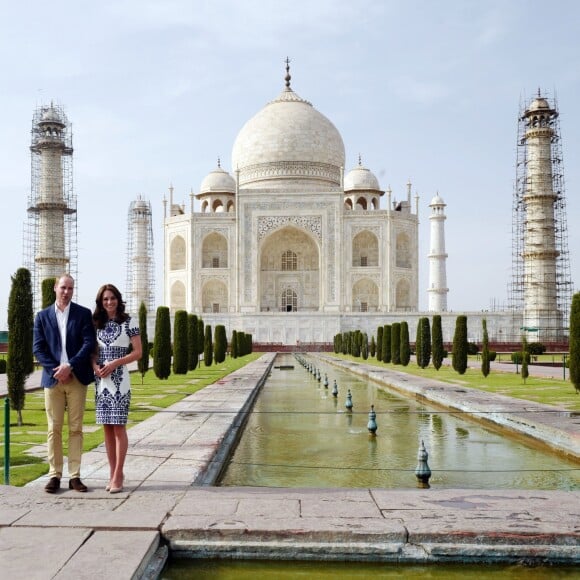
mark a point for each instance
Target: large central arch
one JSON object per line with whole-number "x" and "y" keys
{"x": 289, "y": 265}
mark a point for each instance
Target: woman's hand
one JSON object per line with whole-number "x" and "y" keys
{"x": 106, "y": 369}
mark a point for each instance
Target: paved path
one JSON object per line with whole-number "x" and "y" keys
{"x": 175, "y": 456}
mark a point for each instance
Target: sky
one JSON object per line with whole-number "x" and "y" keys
{"x": 157, "y": 90}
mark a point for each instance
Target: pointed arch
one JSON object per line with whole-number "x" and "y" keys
{"x": 214, "y": 251}
{"x": 365, "y": 250}
{"x": 177, "y": 253}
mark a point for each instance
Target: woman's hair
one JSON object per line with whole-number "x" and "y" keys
{"x": 100, "y": 316}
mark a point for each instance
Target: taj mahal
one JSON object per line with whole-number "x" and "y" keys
{"x": 293, "y": 249}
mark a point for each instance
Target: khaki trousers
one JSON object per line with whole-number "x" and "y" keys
{"x": 70, "y": 397}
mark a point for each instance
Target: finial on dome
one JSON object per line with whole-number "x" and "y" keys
{"x": 359, "y": 160}
{"x": 219, "y": 163}
{"x": 287, "y": 77}
{"x": 539, "y": 93}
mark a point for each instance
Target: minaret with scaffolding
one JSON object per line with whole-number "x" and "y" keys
{"x": 140, "y": 270}
{"x": 50, "y": 243}
{"x": 541, "y": 286}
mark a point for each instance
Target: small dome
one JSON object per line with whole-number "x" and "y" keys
{"x": 361, "y": 178}
{"x": 218, "y": 181}
{"x": 437, "y": 200}
{"x": 539, "y": 104}
{"x": 50, "y": 115}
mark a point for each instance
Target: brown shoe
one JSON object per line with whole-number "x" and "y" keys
{"x": 53, "y": 485}
{"x": 76, "y": 484}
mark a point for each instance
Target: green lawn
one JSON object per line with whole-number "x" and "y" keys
{"x": 27, "y": 443}
{"x": 541, "y": 390}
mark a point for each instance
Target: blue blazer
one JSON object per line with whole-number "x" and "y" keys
{"x": 80, "y": 343}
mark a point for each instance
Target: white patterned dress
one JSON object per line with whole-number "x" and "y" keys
{"x": 113, "y": 393}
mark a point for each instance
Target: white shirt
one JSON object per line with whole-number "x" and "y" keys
{"x": 62, "y": 319}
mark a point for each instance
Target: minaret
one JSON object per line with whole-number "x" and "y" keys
{"x": 140, "y": 265}
{"x": 51, "y": 243}
{"x": 541, "y": 242}
{"x": 437, "y": 257}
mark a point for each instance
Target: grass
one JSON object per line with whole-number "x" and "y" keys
{"x": 557, "y": 392}
{"x": 28, "y": 442}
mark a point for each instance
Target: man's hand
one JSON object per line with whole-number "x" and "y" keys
{"x": 63, "y": 373}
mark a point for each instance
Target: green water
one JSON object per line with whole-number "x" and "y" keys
{"x": 254, "y": 570}
{"x": 299, "y": 435}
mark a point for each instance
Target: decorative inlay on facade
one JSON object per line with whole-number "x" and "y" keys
{"x": 290, "y": 169}
{"x": 373, "y": 229}
{"x": 313, "y": 224}
{"x": 220, "y": 277}
{"x": 331, "y": 257}
{"x": 376, "y": 278}
{"x": 205, "y": 231}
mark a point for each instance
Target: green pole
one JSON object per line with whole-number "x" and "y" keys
{"x": 6, "y": 441}
{"x": 564, "y": 365}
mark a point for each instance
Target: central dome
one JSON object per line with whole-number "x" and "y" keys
{"x": 290, "y": 145}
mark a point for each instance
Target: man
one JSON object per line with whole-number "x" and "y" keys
{"x": 64, "y": 340}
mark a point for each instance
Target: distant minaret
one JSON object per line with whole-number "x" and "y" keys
{"x": 51, "y": 242}
{"x": 437, "y": 257}
{"x": 140, "y": 265}
{"x": 541, "y": 273}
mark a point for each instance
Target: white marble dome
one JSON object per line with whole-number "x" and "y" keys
{"x": 289, "y": 143}
{"x": 218, "y": 181}
{"x": 361, "y": 179}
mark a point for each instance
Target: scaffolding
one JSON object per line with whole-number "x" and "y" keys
{"x": 50, "y": 234}
{"x": 140, "y": 270}
{"x": 540, "y": 286}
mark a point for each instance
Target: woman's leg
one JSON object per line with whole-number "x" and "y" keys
{"x": 122, "y": 444}
{"x": 111, "y": 447}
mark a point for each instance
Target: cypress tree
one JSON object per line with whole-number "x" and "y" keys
{"x": 192, "y": 344}
{"x": 437, "y": 342}
{"x": 386, "y": 355}
{"x": 380, "y": 343}
{"x": 364, "y": 349}
{"x": 221, "y": 343}
{"x": 574, "y": 357}
{"x": 396, "y": 343}
{"x": 460, "y": 345}
{"x": 234, "y": 346}
{"x": 525, "y": 359}
{"x": 200, "y": 337}
{"x": 419, "y": 345}
{"x": 355, "y": 348}
{"x": 405, "y": 346}
{"x": 162, "y": 344}
{"x": 180, "y": 347}
{"x": 47, "y": 291}
{"x": 143, "y": 362}
{"x": 373, "y": 346}
{"x": 20, "y": 361}
{"x": 485, "y": 364}
{"x": 344, "y": 343}
{"x": 208, "y": 347}
{"x": 425, "y": 342}
{"x": 250, "y": 344}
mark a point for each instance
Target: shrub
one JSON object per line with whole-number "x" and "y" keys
{"x": 396, "y": 343}
{"x": 536, "y": 348}
{"x": 162, "y": 351}
{"x": 143, "y": 362}
{"x": 405, "y": 347}
{"x": 460, "y": 345}
{"x": 180, "y": 347}
{"x": 386, "y": 355}
{"x": 208, "y": 347}
{"x": 518, "y": 357}
{"x": 192, "y": 344}
{"x": 472, "y": 348}
{"x": 234, "y": 345}
{"x": 221, "y": 343}
{"x": 485, "y": 367}
{"x": 380, "y": 343}
{"x": 492, "y": 355}
{"x": 437, "y": 352}
{"x": 574, "y": 358}
{"x": 2, "y": 366}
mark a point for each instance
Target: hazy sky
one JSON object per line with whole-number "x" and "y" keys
{"x": 158, "y": 90}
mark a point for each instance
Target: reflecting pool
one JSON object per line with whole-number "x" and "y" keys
{"x": 300, "y": 435}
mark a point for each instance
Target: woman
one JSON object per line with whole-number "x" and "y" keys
{"x": 115, "y": 333}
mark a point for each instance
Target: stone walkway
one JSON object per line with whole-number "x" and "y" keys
{"x": 176, "y": 455}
